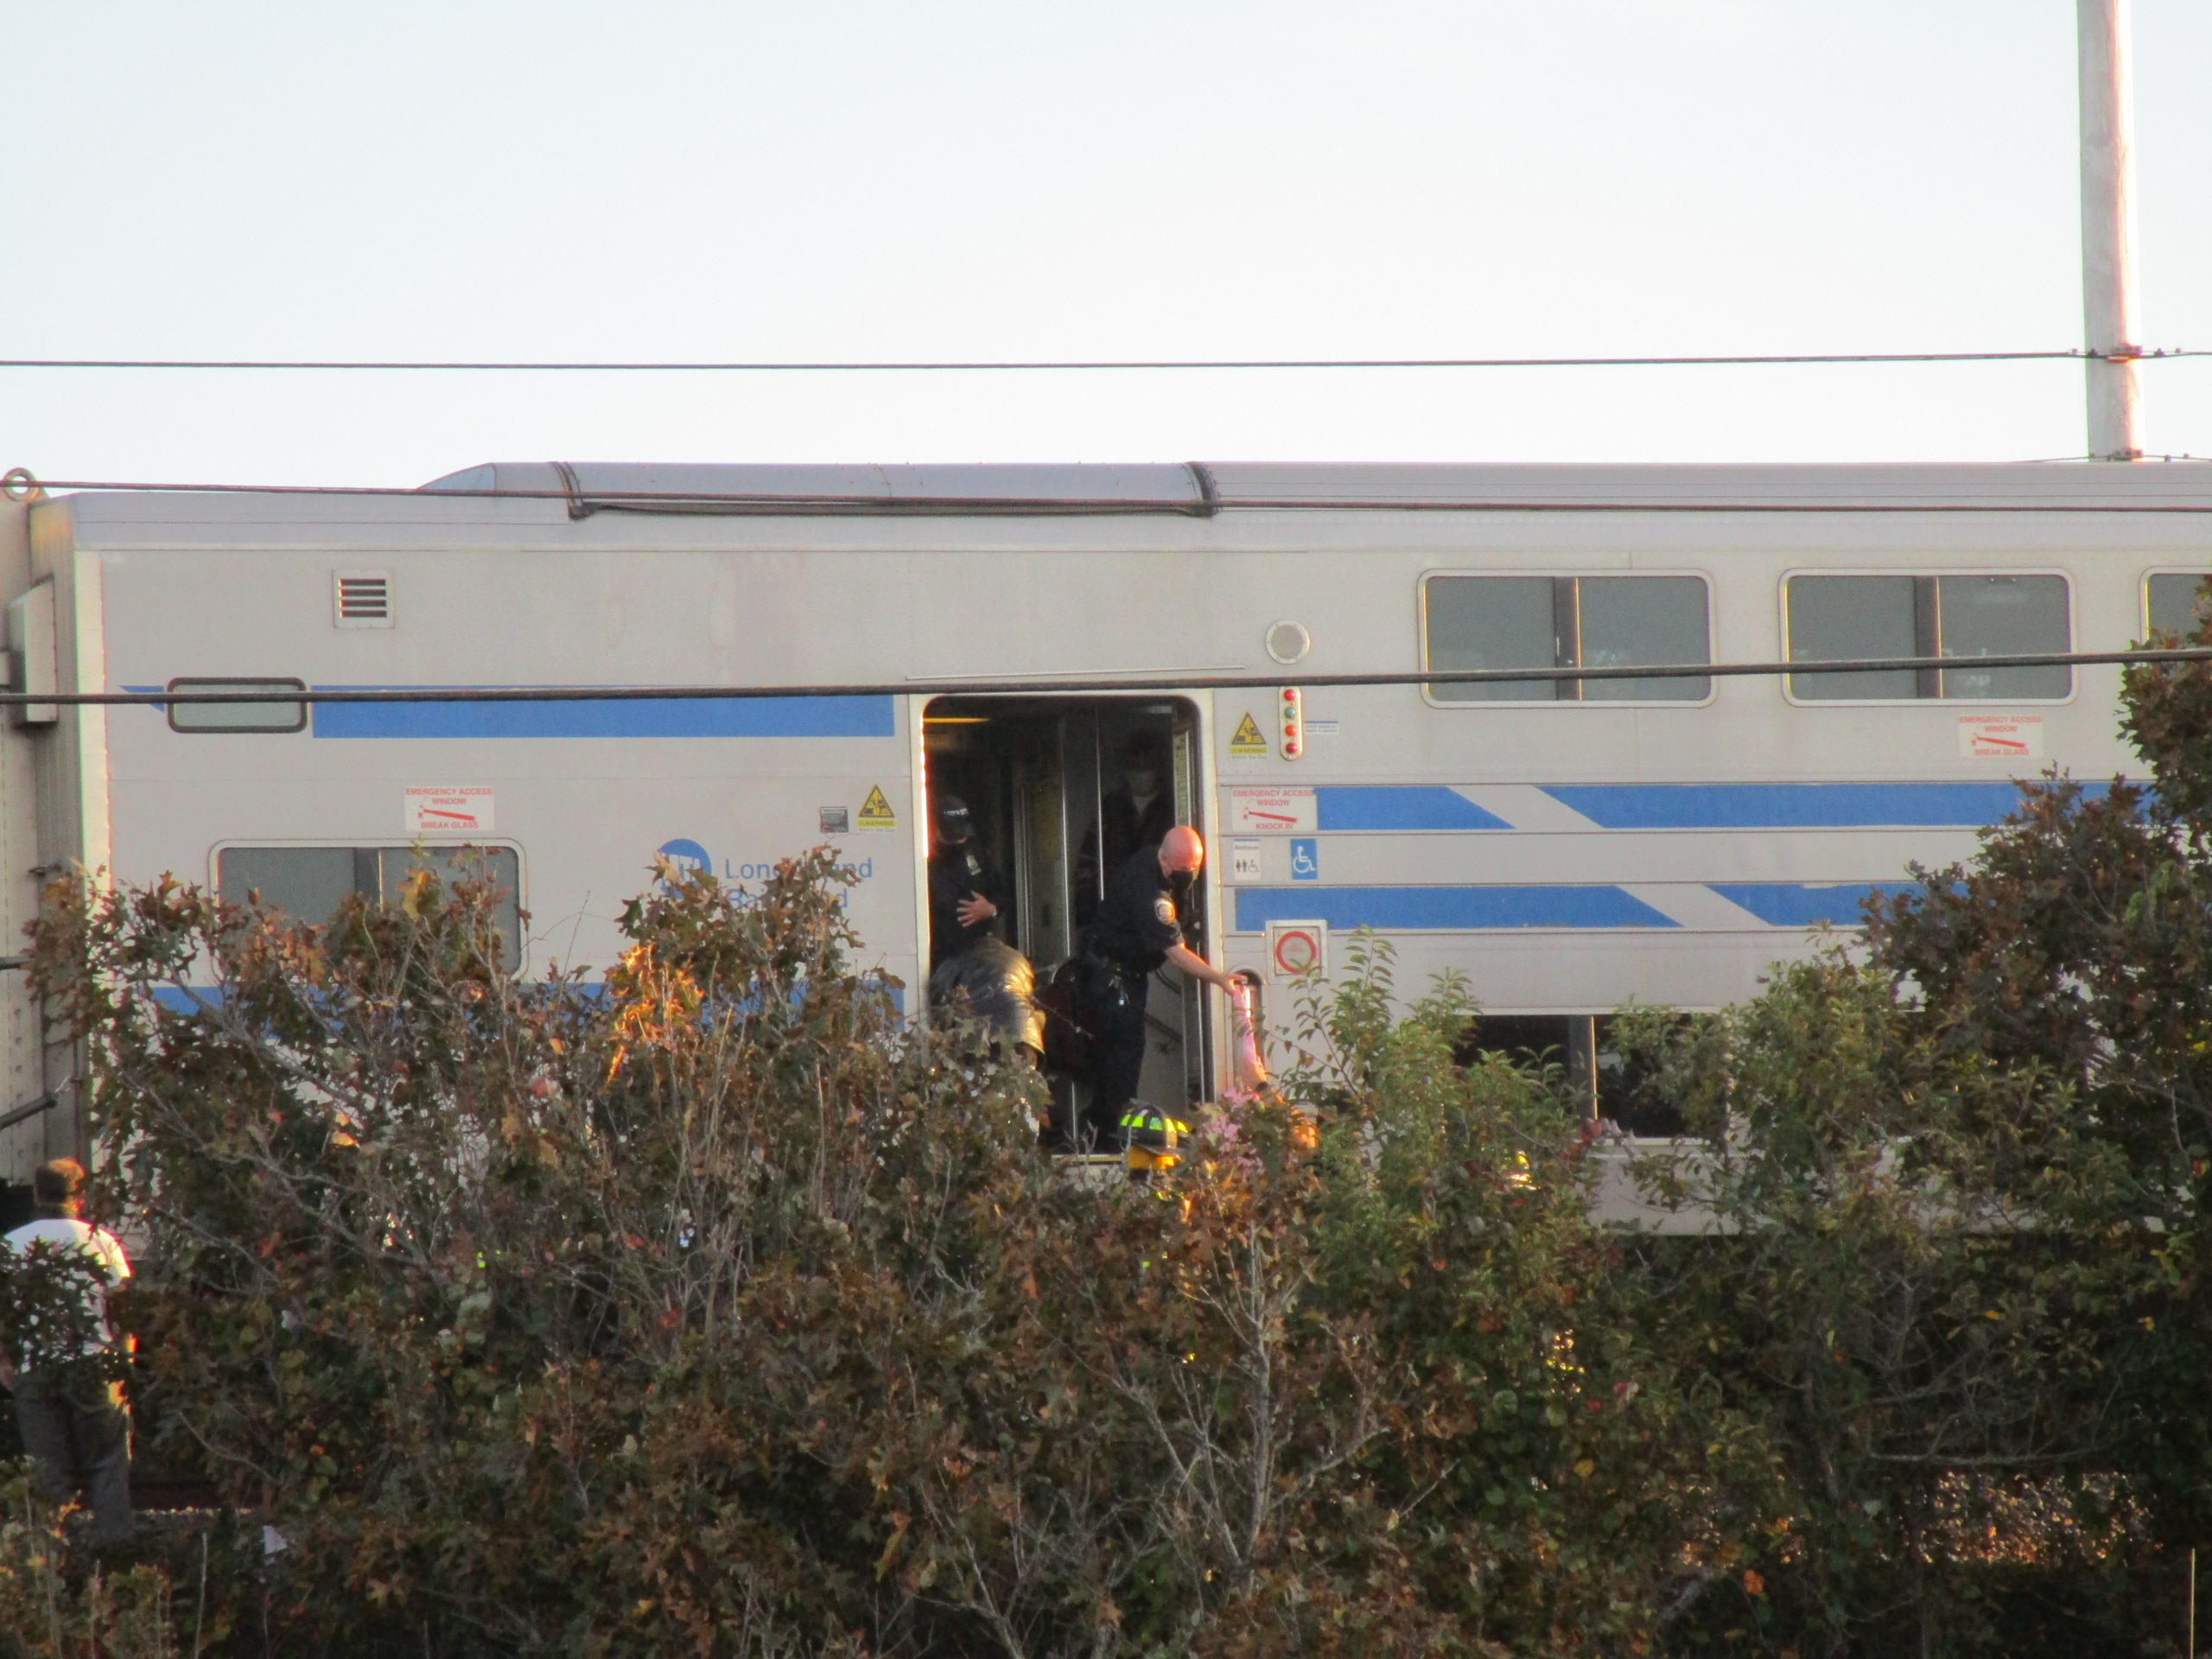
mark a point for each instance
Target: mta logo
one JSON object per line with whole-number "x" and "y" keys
{"x": 688, "y": 856}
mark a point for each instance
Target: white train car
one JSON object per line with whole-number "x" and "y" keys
{"x": 1568, "y": 850}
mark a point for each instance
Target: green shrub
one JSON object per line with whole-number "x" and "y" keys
{"x": 721, "y": 1310}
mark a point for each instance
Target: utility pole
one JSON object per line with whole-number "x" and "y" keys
{"x": 2108, "y": 230}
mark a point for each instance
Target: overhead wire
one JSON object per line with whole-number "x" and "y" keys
{"x": 1044, "y": 365}
{"x": 1064, "y": 366}
{"x": 20, "y": 485}
{"x": 278, "y": 693}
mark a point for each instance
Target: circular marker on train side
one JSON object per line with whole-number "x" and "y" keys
{"x": 1288, "y": 642}
{"x": 1295, "y": 949}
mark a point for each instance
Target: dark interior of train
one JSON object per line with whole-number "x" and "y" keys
{"x": 1604, "y": 1083}
{"x": 1061, "y": 790}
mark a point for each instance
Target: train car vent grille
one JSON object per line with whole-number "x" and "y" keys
{"x": 361, "y": 598}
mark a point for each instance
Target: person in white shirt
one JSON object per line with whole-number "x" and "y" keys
{"x": 76, "y": 1431}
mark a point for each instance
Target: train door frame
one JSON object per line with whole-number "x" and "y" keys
{"x": 1209, "y": 1058}
{"x": 1205, "y": 1060}
{"x": 917, "y": 815}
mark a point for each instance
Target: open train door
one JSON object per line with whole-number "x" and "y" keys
{"x": 1060, "y": 791}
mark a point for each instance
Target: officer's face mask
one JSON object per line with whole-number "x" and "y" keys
{"x": 1179, "y": 881}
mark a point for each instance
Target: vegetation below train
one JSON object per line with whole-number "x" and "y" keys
{"x": 706, "y": 1316}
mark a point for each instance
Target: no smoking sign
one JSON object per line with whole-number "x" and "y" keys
{"x": 1296, "y": 949}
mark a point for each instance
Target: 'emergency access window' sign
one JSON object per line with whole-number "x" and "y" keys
{"x": 449, "y": 810}
{"x": 1279, "y": 811}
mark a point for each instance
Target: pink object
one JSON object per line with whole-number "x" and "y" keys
{"x": 1250, "y": 1079}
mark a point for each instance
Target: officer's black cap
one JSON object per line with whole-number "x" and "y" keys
{"x": 953, "y": 824}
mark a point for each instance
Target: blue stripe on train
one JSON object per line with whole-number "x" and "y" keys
{"x": 1789, "y": 806}
{"x": 1455, "y": 909}
{"x": 1963, "y": 804}
{"x": 644, "y": 717}
{"x": 1485, "y": 909}
{"x": 1786, "y": 904}
{"x": 1400, "y": 807}
{"x": 207, "y": 999}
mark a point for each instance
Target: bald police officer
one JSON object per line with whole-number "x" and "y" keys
{"x": 1139, "y": 925}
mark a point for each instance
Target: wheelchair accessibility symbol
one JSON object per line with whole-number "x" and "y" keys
{"x": 1305, "y": 859}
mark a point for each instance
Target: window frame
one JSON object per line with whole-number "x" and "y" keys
{"x": 388, "y": 843}
{"x": 240, "y": 682}
{"x": 1938, "y": 571}
{"x": 2201, "y": 572}
{"x": 1585, "y": 574}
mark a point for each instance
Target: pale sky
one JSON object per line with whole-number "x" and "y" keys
{"x": 958, "y": 179}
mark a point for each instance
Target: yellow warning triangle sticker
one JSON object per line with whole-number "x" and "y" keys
{"x": 876, "y": 813}
{"x": 1246, "y": 740}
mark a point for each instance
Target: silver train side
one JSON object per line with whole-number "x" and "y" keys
{"x": 1566, "y": 855}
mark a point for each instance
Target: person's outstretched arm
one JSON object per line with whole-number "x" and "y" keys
{"x": 1196, "y": 966}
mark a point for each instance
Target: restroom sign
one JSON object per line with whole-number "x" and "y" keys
{"x": 1245, "y": 860}
{"x": 1297, "y": 949}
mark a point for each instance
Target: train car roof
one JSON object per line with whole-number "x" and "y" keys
{"x": 505, "y": 498}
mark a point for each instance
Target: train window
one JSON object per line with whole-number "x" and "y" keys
{"x": 1636, "y": 622}
{"x": 1506, "y": 622}
{"x": 277, "y": 716}
{"x": 2169, "y": 602}
{"x": 1477, "y": 622}
{"x": 1835, "y": 618}
{"x": 1578, "y": 1050}
{"x": 307, "y": 882}
{"x": 310, "y": 883}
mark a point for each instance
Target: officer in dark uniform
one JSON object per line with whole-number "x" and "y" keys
{"x": 973, "y": 972}
{"x": 966, "y": 893}
{"x": 1139, "y": 925}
